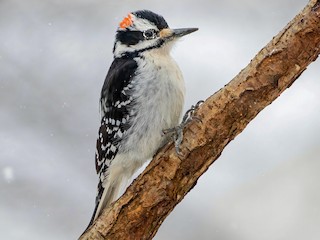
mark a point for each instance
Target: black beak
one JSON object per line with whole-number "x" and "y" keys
{"x": 183, "y": 31}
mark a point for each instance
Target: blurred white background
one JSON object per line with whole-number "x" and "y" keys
{"x": 54, "y": 56}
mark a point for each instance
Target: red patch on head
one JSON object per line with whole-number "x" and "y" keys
{"x": 126, "y": 22}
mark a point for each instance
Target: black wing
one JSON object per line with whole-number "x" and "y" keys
{"x": 114, "y": 102}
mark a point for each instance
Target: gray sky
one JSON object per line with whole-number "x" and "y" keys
{"x": 54, "y": 56}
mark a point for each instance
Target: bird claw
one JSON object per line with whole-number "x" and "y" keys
{"x": 178, "y": 130}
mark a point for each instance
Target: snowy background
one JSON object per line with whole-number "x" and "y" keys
{"x": 54, "y": 56}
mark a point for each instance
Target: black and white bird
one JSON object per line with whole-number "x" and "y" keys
{"x": 142, "y": 95}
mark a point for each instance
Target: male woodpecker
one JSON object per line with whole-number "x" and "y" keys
{"x": 143, "y": 94}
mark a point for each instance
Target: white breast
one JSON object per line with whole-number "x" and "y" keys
{"x": 159, "y": 96}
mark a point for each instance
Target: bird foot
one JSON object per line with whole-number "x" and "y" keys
{"x": 177, "y": 131}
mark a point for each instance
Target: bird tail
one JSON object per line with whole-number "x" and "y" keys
{"x": 112, "y": 187}
{"x": 107, "y": 193}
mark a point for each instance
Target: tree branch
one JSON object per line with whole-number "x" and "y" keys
{"x": 141, "y": 210}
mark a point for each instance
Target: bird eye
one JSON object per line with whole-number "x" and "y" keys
{"x": 150, "y": 34}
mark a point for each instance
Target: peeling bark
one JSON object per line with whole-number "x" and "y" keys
{"x": 147, "y": 202}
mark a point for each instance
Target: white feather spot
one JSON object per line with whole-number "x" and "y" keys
{"x": 120, "y": 133}
{"x": 103, "y": 147}
{"x": 113, "y": 148}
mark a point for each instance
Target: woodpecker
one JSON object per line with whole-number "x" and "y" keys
{"x": 143, "y": 94}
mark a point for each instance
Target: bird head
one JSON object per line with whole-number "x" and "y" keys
{"x": 144, "y": 30}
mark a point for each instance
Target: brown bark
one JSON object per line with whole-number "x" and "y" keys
{"x": 141, "y": 210}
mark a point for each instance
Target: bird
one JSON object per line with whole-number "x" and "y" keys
{"x": 142, "y": 95}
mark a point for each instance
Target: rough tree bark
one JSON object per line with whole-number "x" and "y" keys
{"x": 147, "y": 202}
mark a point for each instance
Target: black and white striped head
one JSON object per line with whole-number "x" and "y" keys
{"x": 143, "y": 31}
